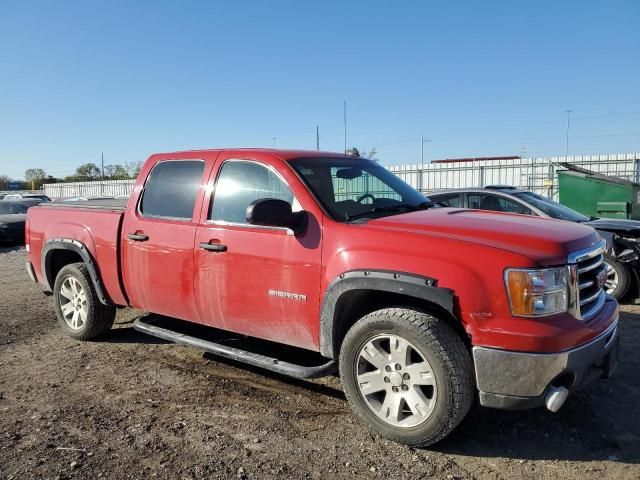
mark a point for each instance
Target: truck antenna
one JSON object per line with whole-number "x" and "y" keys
{"x": 344, "y": 111}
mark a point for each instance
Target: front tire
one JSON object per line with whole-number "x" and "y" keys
{"x": 618, "y": 278}
{"x": 79, "y": 312}
{"x": 407, "y": 374}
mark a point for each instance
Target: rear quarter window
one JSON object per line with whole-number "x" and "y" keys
{"x": 171, "y": 189}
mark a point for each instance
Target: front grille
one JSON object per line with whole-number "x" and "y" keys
{"x": 590, "y": 296}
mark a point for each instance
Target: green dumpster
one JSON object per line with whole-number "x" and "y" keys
{"x": 598, "y": 195}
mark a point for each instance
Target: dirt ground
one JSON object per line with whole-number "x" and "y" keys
{"x": 131, "y": 406}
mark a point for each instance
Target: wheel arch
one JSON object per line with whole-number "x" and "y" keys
{"x": 59, "y": 252}
{"x": 356, "y": 293}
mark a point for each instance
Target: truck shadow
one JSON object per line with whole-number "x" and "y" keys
{"x": 601, "y": 422}
{"x": 128, "y": 334}
{"x": 309, "y": 385}
{"x": 5, "y": 248}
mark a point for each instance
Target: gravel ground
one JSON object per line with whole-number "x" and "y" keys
{"x": 133, "y": 407}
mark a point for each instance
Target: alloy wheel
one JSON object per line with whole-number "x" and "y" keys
{"x": 612, "y": 279}
{"x": 75, "y": 309}
{"x": 396, "y": 381}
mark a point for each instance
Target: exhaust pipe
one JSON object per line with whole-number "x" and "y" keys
{"x": 555, "y": 398}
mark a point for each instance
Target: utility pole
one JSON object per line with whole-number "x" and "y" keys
{"x": 317, "y": 137}
{"x": 568, "y": 124}
{"x": 274, "y": 141}
{"x": 102, "y": 182}
{"x": 523, "y": 150}
{"x": 422, "y": 142}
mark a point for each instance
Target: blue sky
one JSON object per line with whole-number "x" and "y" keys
{"x": 477, "y": 78}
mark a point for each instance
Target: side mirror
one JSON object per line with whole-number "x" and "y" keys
{"x": 271, "y": 212}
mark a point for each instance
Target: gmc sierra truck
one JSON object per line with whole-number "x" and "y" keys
{"x": 420, "y": 308}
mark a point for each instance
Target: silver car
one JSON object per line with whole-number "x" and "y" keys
{"x": 622, "y": 236}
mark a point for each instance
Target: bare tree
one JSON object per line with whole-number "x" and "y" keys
{"x": 87, "y": 171}
{"x": 133, "y": 168}
{"x": 4, "y": 182}
{"x": 371, "y": 154}
{"x": 109, "y": 170}
{"x": 35, "y": 177}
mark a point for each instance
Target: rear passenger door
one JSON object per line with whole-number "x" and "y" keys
{"x": 157, "y": 239}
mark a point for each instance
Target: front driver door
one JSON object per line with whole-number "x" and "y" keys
{"x": 259, "y": 281}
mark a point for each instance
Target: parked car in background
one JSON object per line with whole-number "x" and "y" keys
{"x": 12, "y": 197}
{"x": 16, "y": 197}
{"x": 622, "y": 236}
{"x": 36, "y": 196}
{"x": 12, "y": 219}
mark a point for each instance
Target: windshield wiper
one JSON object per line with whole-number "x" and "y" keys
{"x": 391, "y": 208}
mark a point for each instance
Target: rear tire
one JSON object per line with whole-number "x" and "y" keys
{"x": 618, "y": 278}
{"x": 77, "y": 307}
{"x": 407, "y": 374}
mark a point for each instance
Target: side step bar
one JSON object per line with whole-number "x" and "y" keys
{"x": 255, "y": 359}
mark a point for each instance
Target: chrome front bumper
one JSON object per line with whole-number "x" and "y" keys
{"x": 516, "y": 380}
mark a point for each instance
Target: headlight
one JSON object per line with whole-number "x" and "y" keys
{"x": 534, "y": 293}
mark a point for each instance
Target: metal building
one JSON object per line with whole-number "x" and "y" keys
{"x": 536, "y": 174}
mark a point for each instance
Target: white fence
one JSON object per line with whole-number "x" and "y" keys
{"x": 99, "y": 188}
{"x": 536, "y": 174}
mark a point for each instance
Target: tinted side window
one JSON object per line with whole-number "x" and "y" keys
{"x": 449, "y": 200}
{"x": 172, "y": 188}
{"x": 497, "y": 204}
{"x": 239, "y": 184}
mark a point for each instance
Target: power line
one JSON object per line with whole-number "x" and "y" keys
{"x": 568, "y": 123}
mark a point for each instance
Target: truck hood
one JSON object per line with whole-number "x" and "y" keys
{"x": 625, "y": 228}
{"x": 545, "y": 241}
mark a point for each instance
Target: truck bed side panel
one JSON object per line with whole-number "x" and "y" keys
{"x": 97, "y": 229}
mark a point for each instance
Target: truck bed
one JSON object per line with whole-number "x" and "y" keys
{"x": 94, "y": 223}
{"x": 114, "y": 204}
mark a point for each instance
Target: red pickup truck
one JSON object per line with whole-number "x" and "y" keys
{"x": 420, "y": 308}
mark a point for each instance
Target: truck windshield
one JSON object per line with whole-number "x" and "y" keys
{"x": 353, "y": 188}
{"x": 551, "y": 208}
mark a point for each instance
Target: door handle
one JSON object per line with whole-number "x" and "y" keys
{"x": 213, "y": 247}
{"x": 138, "y": 237}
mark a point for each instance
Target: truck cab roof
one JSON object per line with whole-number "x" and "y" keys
{"x": 284, "y": 154}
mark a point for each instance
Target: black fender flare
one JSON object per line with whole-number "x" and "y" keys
{"x": 80, "y": 248}
{"x": 411, "y": 285}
